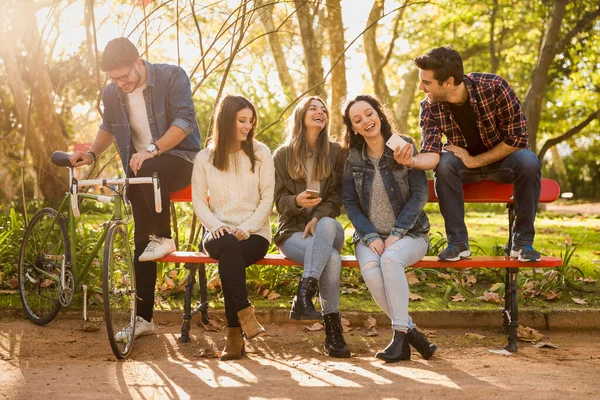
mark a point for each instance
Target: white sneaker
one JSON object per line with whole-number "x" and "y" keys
{"x": 142, "y": 327}
{"x": 158, "y": 248}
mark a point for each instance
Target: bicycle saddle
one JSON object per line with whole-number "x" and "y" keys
{"x": 61, "y": 159}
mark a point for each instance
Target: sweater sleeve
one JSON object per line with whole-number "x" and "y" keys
{"x": 266, "y": 187}
{"x": 200, "y": 194}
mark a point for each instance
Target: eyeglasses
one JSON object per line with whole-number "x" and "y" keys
{"x": 122, "y": 78}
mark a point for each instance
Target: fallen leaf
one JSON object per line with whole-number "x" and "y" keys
{"x": 13, "y": 283}
{"x": 173, "y": 274}
{"x": 496, "y": 286}
{"x": 552, "y": 295}
{"x": 474, "y": 336}
{"x": 314, "y": 327}
{"x": 551, "y": 275}
{"x": 458, "y": 297}
{"x": 214, "y": 325}
{"x": 370, "y": 322}
{"x": 432, "y": 285}
{"x": 589, "y": 280}
{"x": 429, "y": 334}
{"x": 579, "y": 301}
{"x": 345, "y": 324}
{"x": 414, "y": 297}
{"x": 46, "y": 283}
{"x": 528, "y": 334}
{"x": 372, "y": 332}
{"x": 528, "y": 286}
{"x": 547, "y": 345}
{"x": 273, "y": 296}
{"x": 491, "y": 297}
{"x": 444, "y": 276}
{"x": 350, "y": 290}
{"x": 469, "y": 280}
{"x": 411, "y": 276}
{"x": 501, "y": 352}
{"x": 208, "y": 352}
{"x": 214, "y": 283}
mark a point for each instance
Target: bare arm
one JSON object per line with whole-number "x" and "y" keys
{"x": 422, "y": 161}
{"x": 499, "y": 152}
{"x": 102, "y": 142}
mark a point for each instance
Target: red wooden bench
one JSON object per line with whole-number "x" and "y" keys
{"x": 482, "y": 192}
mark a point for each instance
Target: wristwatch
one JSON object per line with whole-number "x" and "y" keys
{"x": 153, "y": 149}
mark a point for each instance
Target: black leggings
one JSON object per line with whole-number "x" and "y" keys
{"x": 234, "y": 257}
{"x": 174, "y": 173}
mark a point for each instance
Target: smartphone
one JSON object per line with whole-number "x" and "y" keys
{"x": 395, "y": 141}
{"x": 312, "y": 194}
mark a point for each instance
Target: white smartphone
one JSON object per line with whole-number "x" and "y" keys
{"x": 312, "y": 194}
{"x": 395, "y": 141}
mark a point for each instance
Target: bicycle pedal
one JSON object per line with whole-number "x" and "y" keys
{"x": 92, "y": 324}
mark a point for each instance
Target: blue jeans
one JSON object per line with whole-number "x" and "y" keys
{"x": 320, "y": 255}
{"x": 386, "y": 279}
{"x": 522, "y": 168}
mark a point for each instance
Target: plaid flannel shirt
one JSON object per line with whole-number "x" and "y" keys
{"x": 497, "y": 109}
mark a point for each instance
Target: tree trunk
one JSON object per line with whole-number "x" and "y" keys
{"x": 312, "y": 49}
{"x": 287, "y": 82}
{"x": 374, "y": 57}
{"x": 405, "y": 100}
{"x": 535, "y": 95}
{"x": 336, "y": 51}
{"x": 561, "y": 171}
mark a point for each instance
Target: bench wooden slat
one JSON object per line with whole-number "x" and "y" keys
{"x": 481, "y": 192}
{"x": 350, "y": 261}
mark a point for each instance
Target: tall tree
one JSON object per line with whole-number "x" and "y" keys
{"x": 337, "y": 44}
{"x": 312, "y": 48}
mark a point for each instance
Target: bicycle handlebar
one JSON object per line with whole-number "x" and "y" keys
{"x": 61, "y": 159}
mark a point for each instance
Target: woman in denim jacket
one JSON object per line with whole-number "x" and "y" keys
{"x": 307, "y": 231}
{"x": 384, "y": 201}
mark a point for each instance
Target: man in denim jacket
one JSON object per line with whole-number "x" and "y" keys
{"x": 486, "y": 138}
{"x": 149, "y": 113}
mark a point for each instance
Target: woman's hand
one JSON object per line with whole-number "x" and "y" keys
{"x": 239, "y": 234}
{"x": 310, "y": 227}
{"x": 390, "y": 241}
{"x": 404, "y": 155}
{"x": 221, "y": 231}
{"x": 303, "y": 200}
{"x": 377, "y": 246}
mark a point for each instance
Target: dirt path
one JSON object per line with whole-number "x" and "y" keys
{"x": 60, "y": 361}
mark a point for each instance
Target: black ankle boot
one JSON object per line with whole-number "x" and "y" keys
{"x": 420, "y": 342}
{"x": 335, "y": 345}
{"x": 397, "y": 350}
{"x": 302, "y": 306}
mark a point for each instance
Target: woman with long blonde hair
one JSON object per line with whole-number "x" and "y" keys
{"x": 308, "y": 196}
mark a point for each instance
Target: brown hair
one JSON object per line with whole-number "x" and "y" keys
{"x": 445, "y": 62}
{"x": 355, "y": 141}
{"x": 295, "y": 132}
{"x": 223, "y": 135}
{"x": 118, "y": 53}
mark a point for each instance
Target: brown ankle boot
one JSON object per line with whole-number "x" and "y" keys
{"x": 234, "y": 348}
{"x": 250, "y": 325}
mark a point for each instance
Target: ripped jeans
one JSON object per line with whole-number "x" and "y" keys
{"x": 386, "y": 279}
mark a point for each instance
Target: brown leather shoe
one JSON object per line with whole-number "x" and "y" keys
{"x": 250, "y": 325}
{"x": 234, "y": 348}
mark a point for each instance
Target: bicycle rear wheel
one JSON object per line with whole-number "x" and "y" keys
{"x": 118, "y": 287}
{"x": 44, "y": 248}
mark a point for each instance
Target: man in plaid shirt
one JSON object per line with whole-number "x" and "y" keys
{"x": 486, "y": 138}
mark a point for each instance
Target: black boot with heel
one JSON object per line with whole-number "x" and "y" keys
{"x": 397, "y": 350}
{"x": 335, "y": 345}
{"x": 421, "y": 344}
{"x": 302, "y": 306}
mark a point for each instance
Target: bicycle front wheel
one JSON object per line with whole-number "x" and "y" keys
{"x": 44, "y": 249}
{"x": 118, "y": 287}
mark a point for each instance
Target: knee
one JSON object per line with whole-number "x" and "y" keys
{"x": 370, "y": 268}
{"x": 391, "y": 262}
{"x": 148, "y": 168}
{"x": 448, "y": 166}
{"x": 527, "y": 162}
{"x": 328, "y": 226}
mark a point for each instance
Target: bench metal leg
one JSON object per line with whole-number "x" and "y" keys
{"x": 203, "y": 306}
{"x": 514, "y": 310}
{"x": 187, "y": 314}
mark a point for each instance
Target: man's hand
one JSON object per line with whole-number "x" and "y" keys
{"x": 404, "y": 155}
{"x": 79, "y": 158}
{"x": 310, "y": 227}
{"x": 463, "y": 155}
{"x": 303, "y": 200}
{"x": 390, "y": 241}
{"x": 377, "y": 246}
{"x": 137, "y": 160}
{"x": 239, "y": 234}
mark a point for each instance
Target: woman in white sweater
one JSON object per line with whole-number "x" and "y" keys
{"x": 236, "y": 173}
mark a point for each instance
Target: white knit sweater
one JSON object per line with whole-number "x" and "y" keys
{"x": 239, "y": 198}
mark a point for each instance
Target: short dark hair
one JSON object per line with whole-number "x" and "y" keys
{"x": 354, "y": 141}
{"x": 445, "y": 62}
{"x": 118, "y": 53}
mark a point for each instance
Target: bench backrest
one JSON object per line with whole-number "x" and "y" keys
{"x": 481, "y": 192}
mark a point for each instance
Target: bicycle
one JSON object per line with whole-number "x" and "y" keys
{"x": 49, "y": 269}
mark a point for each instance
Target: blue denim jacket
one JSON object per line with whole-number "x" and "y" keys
{"x": 407, "y": 190}
{"x": 168, "y": 98}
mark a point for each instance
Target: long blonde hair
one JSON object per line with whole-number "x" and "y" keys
{"x": 295, "y": 131}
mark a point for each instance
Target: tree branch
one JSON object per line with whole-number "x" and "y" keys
{"x": 582, "y": 24}
{"x": 570, "y": 133}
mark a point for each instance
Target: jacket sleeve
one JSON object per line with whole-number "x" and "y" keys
{"x": 419, "y": 194}
{"x": 366, "y": 230}
{"x": 181, "y": 105}
{"x": 266, "y": 187}
{"x": 200, "y": 195}
{"x": 285, "y": 196}
{"x": 332, "y": 200}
